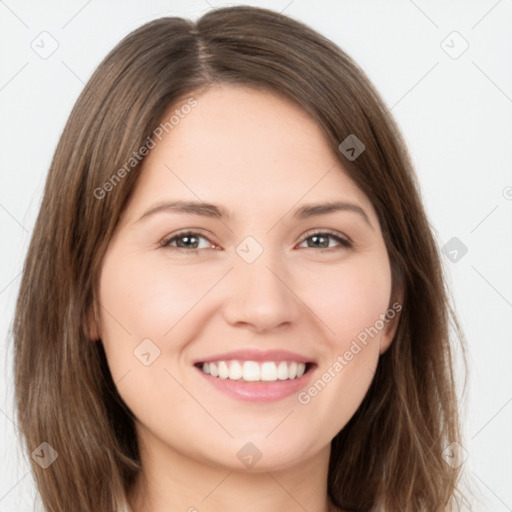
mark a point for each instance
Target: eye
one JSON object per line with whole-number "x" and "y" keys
{"x": 190, "y": 241}
{"x": 322, "y": 240}
{"x": 187, "y": 241}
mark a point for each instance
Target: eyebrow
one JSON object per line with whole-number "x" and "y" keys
{"x": 216, "y": 211}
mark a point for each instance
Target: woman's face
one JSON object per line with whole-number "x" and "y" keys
{"x": 253, "y": 281}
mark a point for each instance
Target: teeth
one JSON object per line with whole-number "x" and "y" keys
{"x": 282, "y": 371}
{"x": 251, "y": 371}
{"x": 214, "y": 372}
{"x": 269, "y": 372}
{"x": 235, "y": 371}
{"x": 223, "y": 370}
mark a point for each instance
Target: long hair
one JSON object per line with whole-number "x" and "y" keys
{"x": 390, "y": 454}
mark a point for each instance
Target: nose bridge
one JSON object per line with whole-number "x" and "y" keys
{"x": 259, "y": 293}
{"x": 259, "y": 268}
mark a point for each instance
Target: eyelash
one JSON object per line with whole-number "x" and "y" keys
{"x": 344, "y": 243}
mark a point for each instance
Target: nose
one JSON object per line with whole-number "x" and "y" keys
{"x": 260, "y": 295}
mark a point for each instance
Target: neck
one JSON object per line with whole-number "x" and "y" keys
{"x": 173, "y": 481}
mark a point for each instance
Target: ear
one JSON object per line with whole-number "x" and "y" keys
{"x": 93, "y": 327}
{"x": 392, "y": 317}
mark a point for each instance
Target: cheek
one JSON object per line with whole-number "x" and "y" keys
{"x": 144, "y": 308}
{"x": 350, "y": 303}
{"x": 350, "y": 299}
{"x": 147, "y": 299}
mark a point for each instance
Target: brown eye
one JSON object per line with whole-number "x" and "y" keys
{"x": 187, "y": 241}
{"x": 322, "y": 240}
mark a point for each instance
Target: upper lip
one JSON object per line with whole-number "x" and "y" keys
{"x": 256, "y": 355}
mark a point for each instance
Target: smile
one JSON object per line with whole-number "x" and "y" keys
{"x": 253, "y": 371}
{"x": 257, "y": 375}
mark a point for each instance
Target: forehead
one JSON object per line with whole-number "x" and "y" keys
{"x": 246, "y": 126}
{"x": 239, "y": 144}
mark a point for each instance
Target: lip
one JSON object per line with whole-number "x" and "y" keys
{"x": 257, "y": 356}
{"x": 259, "y": 391}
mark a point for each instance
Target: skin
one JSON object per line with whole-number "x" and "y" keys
{"x": 260, "y": 157}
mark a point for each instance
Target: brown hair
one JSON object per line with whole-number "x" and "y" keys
{"x": 389, "y": 455}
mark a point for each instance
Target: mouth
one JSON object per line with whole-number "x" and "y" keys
{"x": 256, "y": 376}
{"x": 255, "y": 371}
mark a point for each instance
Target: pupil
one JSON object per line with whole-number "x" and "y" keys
{"x": 187, "y": 241}
{"x": 316, "y": 238}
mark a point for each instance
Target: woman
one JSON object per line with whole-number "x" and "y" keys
{"x": 232, "y": 297}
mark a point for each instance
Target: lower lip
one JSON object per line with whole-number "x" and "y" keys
{"x": 259, "y": 391}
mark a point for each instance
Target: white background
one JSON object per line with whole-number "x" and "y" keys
{"x": 456, "y": 117}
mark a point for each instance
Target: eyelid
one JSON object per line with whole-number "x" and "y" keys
{"x": 189, "y": 231}
{"x": 343, "y": 240}
{"x": 325, "y": 231}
